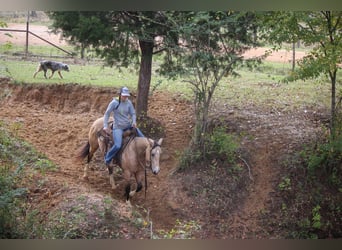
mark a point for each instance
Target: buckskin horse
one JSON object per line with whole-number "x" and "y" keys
{"x": 137, "y": 155}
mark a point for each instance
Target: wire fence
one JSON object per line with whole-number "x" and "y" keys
{"x": 28, "y": 32}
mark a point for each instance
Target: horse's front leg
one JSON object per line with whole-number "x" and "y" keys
{"x": 138, "y": 178}
{"x": 127, "y": 178}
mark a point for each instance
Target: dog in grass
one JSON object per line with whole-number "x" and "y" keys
{"x": 53, "y": 66}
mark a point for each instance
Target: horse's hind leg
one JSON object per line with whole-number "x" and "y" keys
{"x": 85, "y": 172}
{"x": 111, "y": 177}
{"x": 91, "y": 152}
{"x": 127, "y": 191}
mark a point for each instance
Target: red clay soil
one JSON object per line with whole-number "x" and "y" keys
{"x": 56, "y": 120}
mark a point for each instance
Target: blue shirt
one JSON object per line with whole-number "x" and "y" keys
{"x": 124, "y": 115}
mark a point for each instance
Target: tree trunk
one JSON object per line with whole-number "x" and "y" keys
{"x": 293, "y": 56}
{"x": 144, "y": 77}
{"x": 82, "y": 50}
{"x": 333, "y": 102}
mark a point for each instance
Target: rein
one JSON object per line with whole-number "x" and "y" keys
{"x": 155, "y": 144}
{"x": 107, "y": 138}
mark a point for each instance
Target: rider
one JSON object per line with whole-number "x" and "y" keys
{"x": 124, "y": 119}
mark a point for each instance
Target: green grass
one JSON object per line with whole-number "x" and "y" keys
{"x": 22, "y": 71}
{"x": 94, "y": 74}
{"x": 261, "y": 86}
{"x": 20, "y": 164}
{"x": 9, "y": 49}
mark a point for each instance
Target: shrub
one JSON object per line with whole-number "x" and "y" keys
{"x": 311, "y": 191}
{"x": 18, "y": 163}
{"x": 222, "y": 145}
{"x": 218, "y": 145}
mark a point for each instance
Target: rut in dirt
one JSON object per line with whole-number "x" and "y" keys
{"x": 274, "y": 137}
{"x": 56, "y": 120}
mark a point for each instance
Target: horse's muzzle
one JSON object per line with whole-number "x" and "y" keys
{"x": 155, "y": 170}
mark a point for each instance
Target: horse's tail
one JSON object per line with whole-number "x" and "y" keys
{"x": 84, "y": 152}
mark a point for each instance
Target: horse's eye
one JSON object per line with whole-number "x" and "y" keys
{"x": 153, "y": 155}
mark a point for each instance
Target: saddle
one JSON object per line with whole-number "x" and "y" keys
{"x": 108, "y": 139}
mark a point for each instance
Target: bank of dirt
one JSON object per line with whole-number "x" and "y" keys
{"x": 56, "y": 119}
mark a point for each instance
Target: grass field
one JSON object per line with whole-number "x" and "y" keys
{"x": 261, "y": 86}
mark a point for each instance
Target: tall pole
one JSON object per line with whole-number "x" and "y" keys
{"x": 293, "y": 55}
{"x": 27, "y": 33}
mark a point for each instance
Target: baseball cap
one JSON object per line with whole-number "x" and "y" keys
{"x": 125, "y": 91}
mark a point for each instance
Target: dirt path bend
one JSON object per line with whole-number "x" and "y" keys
{"x": 274, "y": 136}
{"x": 56, "y": 119}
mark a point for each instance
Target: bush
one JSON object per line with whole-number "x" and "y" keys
{"x": 219, "y": 145}
{"x": 9, "y": 194}
{"x": 310, "y": 199}
{"x": 326, "y": 160}
{"x": 222, "y": 145}
{"x": 19, "y": 162}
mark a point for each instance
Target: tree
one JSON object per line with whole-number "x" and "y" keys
{"x": 121, "y": 38}
{"x": 323, "y": 31}
{"x": 283, "y": 27}
{"x": 210, "y": 46}
{"x": 200, "y": 46}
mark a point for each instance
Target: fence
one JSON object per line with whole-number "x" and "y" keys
{"x": 28, "y": 32}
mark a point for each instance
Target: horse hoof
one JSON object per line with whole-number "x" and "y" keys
{"x": 85, "y": 178}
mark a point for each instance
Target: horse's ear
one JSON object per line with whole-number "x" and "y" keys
{"x": 160, "y": 141}
{"x": 151, "y": 142}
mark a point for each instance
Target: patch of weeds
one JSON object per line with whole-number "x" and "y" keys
{"x": 90, "y": 216}
{"x": 223, "y": 145}
{"x": 182, "y": 230}
{"x": 285, "y": 184}
{"x": 17, "y": 160}
{"x": 151, "y": 127}
{"x": 44, "y": 165}
{"x": 15, "y": 127}
{"x": 309, "y": 203}
{"x": 5, "y": 93}
{"x": 155, "y": 86}
{"x": 188, "y": 157}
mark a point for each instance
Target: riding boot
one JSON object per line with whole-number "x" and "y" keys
{"x": 111, "y": 154}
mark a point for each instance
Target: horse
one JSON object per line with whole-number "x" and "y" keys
{"x": 137, "y": 155}
{"x": 95, "y": 141}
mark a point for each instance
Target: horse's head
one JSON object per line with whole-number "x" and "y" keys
{"x": 155, "y": 156}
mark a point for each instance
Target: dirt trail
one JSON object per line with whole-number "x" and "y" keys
{"x": 56, "y": 120}
{"x": 245, "y": 223}
{"x": 275, "y": 135}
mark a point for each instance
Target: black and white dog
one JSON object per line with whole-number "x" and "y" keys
{"x": 53, "y": 66}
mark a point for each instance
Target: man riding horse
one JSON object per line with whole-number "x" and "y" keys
{"x": 124, "y": 119}
{"x": 140, "y": 154}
